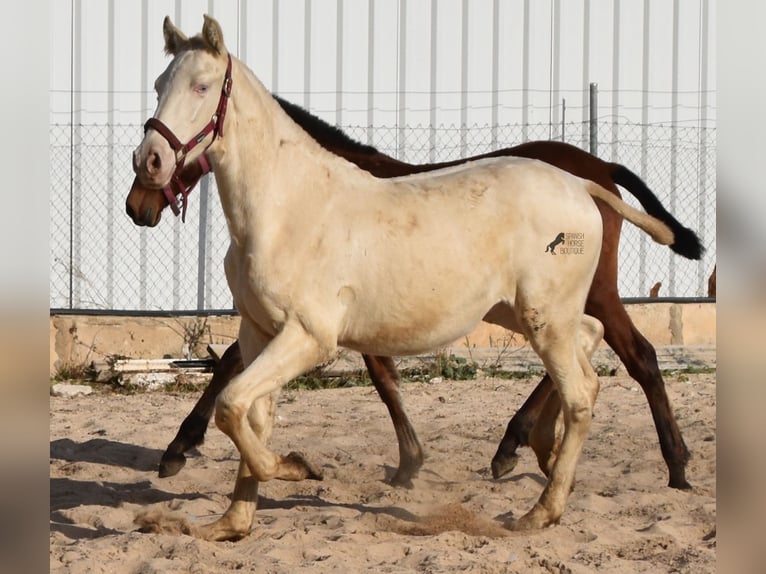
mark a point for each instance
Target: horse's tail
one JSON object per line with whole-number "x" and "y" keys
{"x": 686, "y": 242}
{"x": 660, "y": 231}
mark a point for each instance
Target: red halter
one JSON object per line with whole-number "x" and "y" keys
{"x": 215, "y": 125}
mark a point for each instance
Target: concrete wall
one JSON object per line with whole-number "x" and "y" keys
{"x": 79, "y": 339}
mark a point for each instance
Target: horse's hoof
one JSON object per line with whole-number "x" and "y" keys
{"x": 312, "y": 472}
{"x": 535, "y": 519}
{"x": 503, "y": 464}
{"x": 220, "y": 531}
{"x": 171, "y": 464}
{"x": 402, "y": 481}
{"x": 680, "y": 484}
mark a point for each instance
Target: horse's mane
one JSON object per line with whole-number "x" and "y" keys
{"x": 327, "y": 135}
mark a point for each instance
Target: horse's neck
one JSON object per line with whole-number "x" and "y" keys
{"x": 268, "y": 164}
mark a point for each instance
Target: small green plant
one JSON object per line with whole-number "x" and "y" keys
{"x": 183, "y": 383}
{"x": 323, "y": 376}
{"x": 75, "y": 372}
{"x": 444, "y": 364}
{"x": 604, "y": 370}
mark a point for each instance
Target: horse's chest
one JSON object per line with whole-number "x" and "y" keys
{"x": 254, "y": 294}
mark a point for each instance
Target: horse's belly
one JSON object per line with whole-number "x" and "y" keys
{"x": 409, "y": 326}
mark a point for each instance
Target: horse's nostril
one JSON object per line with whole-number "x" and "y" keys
{"x": 153, "y": 162}
{"x": 149, "y": 220}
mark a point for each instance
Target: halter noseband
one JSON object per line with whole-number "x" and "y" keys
{"x": 215, "y": 125}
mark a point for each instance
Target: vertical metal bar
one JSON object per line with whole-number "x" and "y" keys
{"x": 402, "y": 81}
{"x": 555, "y": 68}
{"x": 71, "y": 152}
{"x": 525, "y": 76}
{"x": 615, "y": 80}
{"x": 275, "y": 47}
{"x": 177, "y": 225}
{"x": 307, "y": 54}
{"x": 464, "y": 81}
{"x": 110, "y": 179}
{"x": 673, "y": 140}
{"x": 433, "y": 86}
{"x": 205, "y": 223}
{"x": 593, "y": 119}
{"x": 495, "y": 70}
{"x": 142, "y": 249}
{"x": 587, "y": 131}
{"x": 242, "y": 31}
{"x": 370, "y": 69}
{"x": 642, "y": 278}
{"x": 204, "y": 188}
{"x": 77, "y": 161}
{"x": 563, "y": 119}
{"x": 209, "y": 264}
{"x": 701, "y": 222}
{"x": 339, "y": 66}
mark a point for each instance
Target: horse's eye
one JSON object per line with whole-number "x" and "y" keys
{"x": 201, "y": 88}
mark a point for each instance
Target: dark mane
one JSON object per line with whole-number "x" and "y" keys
{"x": 320, "y": 130}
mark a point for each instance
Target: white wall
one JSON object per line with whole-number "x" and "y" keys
{"x": 422, "y": 80}
{"x": 118, "y": 49}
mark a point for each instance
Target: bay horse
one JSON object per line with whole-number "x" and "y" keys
{"x": 323, "y": 254}
{"x": 145, "y": 207}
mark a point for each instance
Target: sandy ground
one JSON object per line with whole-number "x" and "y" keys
{"x": 621, "y": 517}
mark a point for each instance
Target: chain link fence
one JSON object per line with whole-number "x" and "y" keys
{"x": 101, "y": 261}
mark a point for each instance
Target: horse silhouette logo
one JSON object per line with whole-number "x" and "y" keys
{"x": 552, "y": 245}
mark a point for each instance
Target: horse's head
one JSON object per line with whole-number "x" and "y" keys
{"x": 192, "y": 94}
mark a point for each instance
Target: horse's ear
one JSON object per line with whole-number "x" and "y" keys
{"x": 211, "y": 31}
{"x": 174, "y": 38}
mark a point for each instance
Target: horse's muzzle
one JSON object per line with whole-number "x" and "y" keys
{"x": 147, "y": 218}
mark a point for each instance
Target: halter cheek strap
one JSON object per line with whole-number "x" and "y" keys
{"x": 180, "y": 185}
{"x": 214, "y": 126}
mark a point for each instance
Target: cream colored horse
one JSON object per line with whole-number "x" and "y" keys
{"x": 324, "y": 255}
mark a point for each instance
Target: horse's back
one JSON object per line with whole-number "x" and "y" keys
{"x": 464, "y": 239}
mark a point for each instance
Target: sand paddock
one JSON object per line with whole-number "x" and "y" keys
{"x": 105, "y": 447}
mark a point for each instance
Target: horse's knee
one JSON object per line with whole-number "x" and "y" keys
{"x": 228, "y": 414}
{"x": 580, "y": 415}
{"x": 260, "y": 415}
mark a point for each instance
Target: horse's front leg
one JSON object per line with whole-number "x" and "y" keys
{"x": 245, "y": 410}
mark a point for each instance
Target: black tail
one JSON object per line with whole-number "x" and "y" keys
{"x": 687, "y": 244}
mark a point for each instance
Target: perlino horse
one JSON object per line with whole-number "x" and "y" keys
{"x": 312, "y": 236}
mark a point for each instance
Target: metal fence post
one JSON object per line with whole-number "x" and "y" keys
{"x": 593, "y": 115}
{"x": 204, "y": 188}
{"x": 563, "y": 119}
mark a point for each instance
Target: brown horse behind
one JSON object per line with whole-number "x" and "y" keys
{"x": 145, "y": 208}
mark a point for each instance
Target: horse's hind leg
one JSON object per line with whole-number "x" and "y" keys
{"x": 192, "y": 430}
{"x": 546, "y": 434}
{"x": 640, "y": 359}
{"x": 577, "y": 387}
{"x": 386, "y": 380}
{"x": 519, "y": 427}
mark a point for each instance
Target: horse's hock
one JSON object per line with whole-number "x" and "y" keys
{"x": 80, "y": 339}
